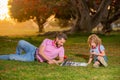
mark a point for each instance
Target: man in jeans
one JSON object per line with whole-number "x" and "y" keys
{"x": 46, "y": 52}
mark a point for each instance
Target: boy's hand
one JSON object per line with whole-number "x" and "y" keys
{"x": 94, "y": 53}
{"x": 88, "y": 63}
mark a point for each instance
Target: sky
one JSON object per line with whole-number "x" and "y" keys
{"x": 4, "y": 12}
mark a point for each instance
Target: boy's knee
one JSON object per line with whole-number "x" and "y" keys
{"x": 96, "y": 62}
{"x": 99, "y": 57}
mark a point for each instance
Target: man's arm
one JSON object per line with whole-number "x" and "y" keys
{"x": 41, "y": 52}
{"x": 61, "y": 59}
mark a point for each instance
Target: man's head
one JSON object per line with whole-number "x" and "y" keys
{"x": 60, "y": 39}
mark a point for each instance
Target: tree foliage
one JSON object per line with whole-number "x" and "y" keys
{"x": 111, "y": 15}
{"x": 23, "y": 10}
{"x": 87, "y": 13}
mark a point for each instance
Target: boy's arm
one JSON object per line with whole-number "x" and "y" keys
{"x": 90, "y": 59}
{"x": 101, "y": 54}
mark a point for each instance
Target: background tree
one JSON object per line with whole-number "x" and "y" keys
{"x": 23, "y": 10}
{"x": 113, "y": 15}
{"x": 87, "y": 14}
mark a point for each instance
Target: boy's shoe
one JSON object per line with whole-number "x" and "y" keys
{"x": 103, "y": 62}
{"x": 95, "y": 65}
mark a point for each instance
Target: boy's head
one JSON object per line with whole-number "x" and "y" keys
{"x": 94, "y": 40}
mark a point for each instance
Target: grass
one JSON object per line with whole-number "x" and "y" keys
{"x": 12, "y": 28}
{"x": 76, "y": 48}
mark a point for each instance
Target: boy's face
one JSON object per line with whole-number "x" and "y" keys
{"x": 93, "y": 44}
{"x": 60, "y": 42}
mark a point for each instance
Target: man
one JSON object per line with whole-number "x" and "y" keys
{"x": 47, "y": 51}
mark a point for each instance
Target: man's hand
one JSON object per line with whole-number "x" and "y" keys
{"x": 52, "y": 62}
{"x": 55, "y": 62}
{"x": 61, "y": 59}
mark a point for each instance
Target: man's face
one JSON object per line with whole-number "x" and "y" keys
{"x": 60, "y": 42}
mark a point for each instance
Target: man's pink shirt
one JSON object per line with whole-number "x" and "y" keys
{"x": 51, "y": 51}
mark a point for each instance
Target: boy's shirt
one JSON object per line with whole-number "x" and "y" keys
{"x": 98, "y": 49}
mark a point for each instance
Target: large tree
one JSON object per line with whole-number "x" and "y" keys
{"x": 23, "y": 10}
{"x": 86, "y": 21}
{"x": 87, "y": 13}
{"x": 113, "y": 15}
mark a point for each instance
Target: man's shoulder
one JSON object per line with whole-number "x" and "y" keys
{"x": 46, "y": 39}
{"x": 62, "y": 48}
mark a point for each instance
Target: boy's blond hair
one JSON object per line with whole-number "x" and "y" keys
{"x": 95, "y": 39}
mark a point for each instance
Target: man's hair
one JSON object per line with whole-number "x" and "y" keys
{"x": 61, "y": 35}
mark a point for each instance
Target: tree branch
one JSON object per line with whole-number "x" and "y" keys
{"x": 114, "y": 17}
{"x": 101, "y": 12}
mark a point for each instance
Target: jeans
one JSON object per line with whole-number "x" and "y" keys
{"x": 25, "y": 46}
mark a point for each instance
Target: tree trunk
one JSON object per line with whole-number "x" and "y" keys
{"x": 106, "y": 27}
{"x": 75, "y": 28}
{"x": 40, "y": 27}
{"x": 86, "y": 22}
{"x": 101, "y": 13}
{"x": 40, "y": 24}
{"x": 108, "y": 21}
{"x": 75, "y": 25}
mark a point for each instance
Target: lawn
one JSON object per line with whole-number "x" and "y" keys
{"x": 76, "y": 48}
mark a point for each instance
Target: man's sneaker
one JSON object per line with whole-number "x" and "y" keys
{"x": 103, "y": 62}
{"x": 95, "y": 65}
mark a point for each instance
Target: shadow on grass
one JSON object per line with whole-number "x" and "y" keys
{"x": 86, "y": 57}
